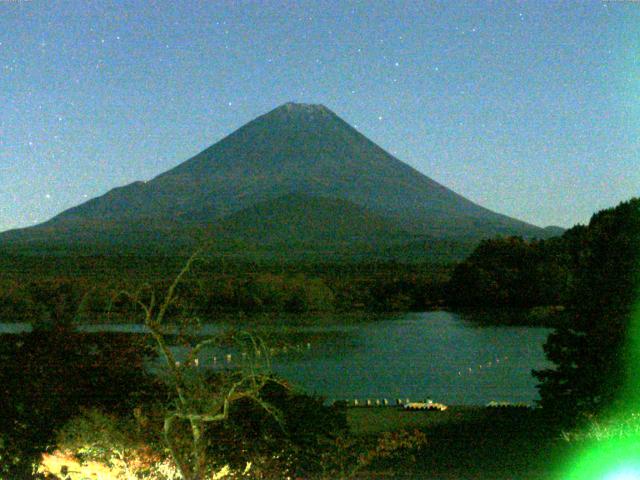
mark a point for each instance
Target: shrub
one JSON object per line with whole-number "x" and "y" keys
{"x": 46, "y": 376}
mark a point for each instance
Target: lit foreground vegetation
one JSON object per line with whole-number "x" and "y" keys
{"x": 91, "y": 398}
{"x": 127, "y": 465}
{"x": 81, "y": 405}
{"x": 462, "y": 442}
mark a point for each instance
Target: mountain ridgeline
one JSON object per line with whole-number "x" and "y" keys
{"x": 296, "y": 176}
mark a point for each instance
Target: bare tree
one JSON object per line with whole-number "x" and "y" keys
{"x": 198, "y": 401}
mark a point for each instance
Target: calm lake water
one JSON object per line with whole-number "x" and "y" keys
{"x": 436, "y": 355}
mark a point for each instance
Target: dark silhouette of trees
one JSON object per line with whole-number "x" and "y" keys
{"x": 49, "y": 374}
{"x": 593, "y": 354}
{"x": 511, "y": 272}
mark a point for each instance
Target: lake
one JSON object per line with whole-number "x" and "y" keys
{"x": 437, "y": 355}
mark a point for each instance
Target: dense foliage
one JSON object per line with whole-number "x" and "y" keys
{"x": 91, "y": 395}
{"x": 593, "y": 352}
{"x": 48, "y": 375}
{"x": 291, "y": 445}
{"x": 84, "y": 288}
{"x": 512, "y": 272}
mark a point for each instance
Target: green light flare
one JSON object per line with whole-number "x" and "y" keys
{"x": 617, "y": 459}
{"x": 632, "y": 473}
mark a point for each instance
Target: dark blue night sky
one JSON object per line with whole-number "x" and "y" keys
{"x": 531, "y": 109}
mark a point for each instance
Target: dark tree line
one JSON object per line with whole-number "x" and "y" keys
{"x": 209, "y": 293}
{"x": 513, "y": 272}
{"x": 593, "y": 272}
{"x": 595, "y": 352}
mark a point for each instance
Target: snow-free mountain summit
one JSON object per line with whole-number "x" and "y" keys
{"x": 298, "y": 173}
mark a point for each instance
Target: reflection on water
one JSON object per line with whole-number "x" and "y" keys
{"x": 434, "y": 355}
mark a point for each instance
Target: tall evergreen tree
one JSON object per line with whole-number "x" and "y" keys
{"x": 593, "y": 352}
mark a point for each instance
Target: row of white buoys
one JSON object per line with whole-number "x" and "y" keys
{"x": 405, "y": 404}
{"x": 369, "y": 403}
{"x": 376, "y": 402}
{"x": 486, "y": 365}
{"x": 196, "y": 363}
{"x": 228, "y": 357}
{"x": 287, "y": 349}
{"x": 502, "y": 404}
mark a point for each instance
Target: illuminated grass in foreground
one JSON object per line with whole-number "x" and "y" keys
{"x": 618, "y": 456}
{"x": 616, "y": 459}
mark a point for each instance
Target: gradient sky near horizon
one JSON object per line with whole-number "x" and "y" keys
{"x": 531, "y": 109}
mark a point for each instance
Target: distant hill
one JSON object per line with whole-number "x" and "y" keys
{"x": 298, "y": 174}
{"x": 554, "y": 231}
{"x": 307, "y": 219}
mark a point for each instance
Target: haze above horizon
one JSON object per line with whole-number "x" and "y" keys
{"x": 529, "y": 109}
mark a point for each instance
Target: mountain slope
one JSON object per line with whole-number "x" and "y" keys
{"x": 294, "y": 150}
{"x": 302, "y": 218}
